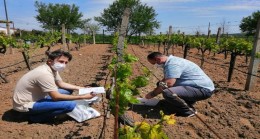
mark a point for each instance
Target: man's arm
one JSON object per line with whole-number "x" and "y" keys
{"x": 64, "y": 85}
{"x": 57, "y": 96}
{"x": 159, "y": 89}
{"x": 170, "y": 82}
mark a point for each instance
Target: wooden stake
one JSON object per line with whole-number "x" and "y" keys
{"x": 254, "y": 62}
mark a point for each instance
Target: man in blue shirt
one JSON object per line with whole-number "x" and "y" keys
{"x": 184, "y": 79}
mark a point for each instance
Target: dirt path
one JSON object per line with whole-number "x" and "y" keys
{"x": 231, "y": 111}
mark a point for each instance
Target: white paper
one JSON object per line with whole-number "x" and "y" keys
{"x": 96, "y": 90}
{"x": 148, "y": 102}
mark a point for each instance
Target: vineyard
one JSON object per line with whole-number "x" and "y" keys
{"x": 231, "y": 112}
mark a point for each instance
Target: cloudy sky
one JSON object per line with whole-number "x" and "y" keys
{"x": 188, "y": 16}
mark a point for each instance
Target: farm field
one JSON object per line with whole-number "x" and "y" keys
{"x": 231, "y": 112}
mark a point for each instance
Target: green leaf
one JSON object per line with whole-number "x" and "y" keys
{"x": 130, "y": 58}
{"x": 140, "y": 81}
{"x": 257, "y": 55}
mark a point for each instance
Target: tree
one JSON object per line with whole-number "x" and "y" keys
{"x": 53, "y": 16}
{"x": 142, "y": 18}
{"x": 88, "y": 26}
{"x": 249, "y": 24}
{"x": 94, "y": 28}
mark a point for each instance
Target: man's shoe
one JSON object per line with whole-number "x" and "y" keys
{"x": 125, "y": 119}
{"x": 193, "y": 114}
{"x": 189, "y": 113}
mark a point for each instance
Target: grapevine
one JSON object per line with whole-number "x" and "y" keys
{"x": 142, "y": 130}
{"x": 126, "y": 84}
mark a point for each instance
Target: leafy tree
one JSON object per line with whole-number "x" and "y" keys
{"x": 88, "y": 26}
{"x": 249, "y": 24}
{"x": 53, "y": 16}
{"x": 142, "y": 18}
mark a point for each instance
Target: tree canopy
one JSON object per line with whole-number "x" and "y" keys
{"x": 249, "y": 23}
{"x": 53, "y": 16}
{"x": 142, "y": 17}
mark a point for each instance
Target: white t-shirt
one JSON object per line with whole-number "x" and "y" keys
{"x": 34, "y": 86}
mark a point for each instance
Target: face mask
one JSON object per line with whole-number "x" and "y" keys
{"x": 159, "y": 65}
{"x": 58, "y": 66}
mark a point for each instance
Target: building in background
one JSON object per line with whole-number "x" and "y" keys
{"x": 4, "y": 30}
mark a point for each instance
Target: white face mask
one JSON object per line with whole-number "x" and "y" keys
{"x": 58, "y": 66}
{"x": 159, "y": 65}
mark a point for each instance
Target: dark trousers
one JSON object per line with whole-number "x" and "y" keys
{"x": 187, "y": 94}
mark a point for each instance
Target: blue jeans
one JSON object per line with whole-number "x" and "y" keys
{"x": 46, "y": 109}
{"x": 188, "y": 94}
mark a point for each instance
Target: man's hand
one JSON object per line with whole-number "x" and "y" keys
{"x": 150, "y": 95}
{"x": 88, "y": 96}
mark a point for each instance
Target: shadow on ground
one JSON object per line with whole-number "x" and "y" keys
{"x": 14, "y": 116}
{"x": 152, "y": 112}
{"x": 19, "y": 117}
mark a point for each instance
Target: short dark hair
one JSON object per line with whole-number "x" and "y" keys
{"x": 154, "y": 55}
{"x": 58, "y": 53}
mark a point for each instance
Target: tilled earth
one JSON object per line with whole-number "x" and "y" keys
{"x": 231, "y": 112}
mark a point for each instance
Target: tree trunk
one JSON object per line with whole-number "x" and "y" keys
{"x": 94, "y": 38}
{"x": 202, "y": 58}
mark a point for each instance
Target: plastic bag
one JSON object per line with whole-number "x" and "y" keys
{"x": 83, "y": 111}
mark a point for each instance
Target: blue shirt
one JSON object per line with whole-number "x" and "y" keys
{"x": 186, "y": 73}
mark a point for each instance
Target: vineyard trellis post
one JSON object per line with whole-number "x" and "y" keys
{"x": 120, "y": 49}
{"x": 218, "y": 35}
{"x": 8, "y": 27}
{"x": 26, "y": 59}
{"x": 254, "y": 61}
{"x": 63, "y": 30}
{"x": 209, "y": 31}
{"x": 169, "y": 40}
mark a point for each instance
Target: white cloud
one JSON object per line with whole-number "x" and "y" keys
{"x": 167, "y": 1}
{"x": 106, "y": 2}
{"x": 238, "y": 7}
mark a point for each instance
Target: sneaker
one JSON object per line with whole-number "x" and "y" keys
{"x": 189, "y": 113}
{"x": 193, "y": 110}
{"x": 126, "y": 120}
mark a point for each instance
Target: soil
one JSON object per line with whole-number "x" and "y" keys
{"x": 231, "y": 112}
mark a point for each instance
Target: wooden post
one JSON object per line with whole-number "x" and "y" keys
{"x": 209, "y": 31}
{"x": 8, "y": 27}
{"x": 122, "y": 34}
{"x": 63, "y": 31}
{"x": 254, "y": 62}
{"x": 7, "y": 22}
{"x": 169, "y": 40}
{"x": 26, "y": 60}
{"x": 120, "y": 50}
{"x": 218, "y": 35}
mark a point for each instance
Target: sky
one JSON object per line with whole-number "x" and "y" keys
{"x": 187, "y": 16}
